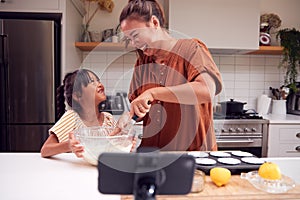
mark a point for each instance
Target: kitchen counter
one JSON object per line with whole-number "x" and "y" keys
{"x": 28, "y": 176}
{"x": 282, "y": 119}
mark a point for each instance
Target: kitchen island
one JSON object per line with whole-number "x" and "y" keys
{"x": 28, "y": 176}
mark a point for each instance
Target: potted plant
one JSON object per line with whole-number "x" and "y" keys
{"x": 290, "y": 41}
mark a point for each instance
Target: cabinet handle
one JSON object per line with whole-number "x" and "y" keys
{"x": 297, "y": 148}
{"x": 298, "y": 135}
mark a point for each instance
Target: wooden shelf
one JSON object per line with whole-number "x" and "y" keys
{"x": 268, "y": 50}
{"x": 102, "y": 46}
{"x": 109, "y": 46}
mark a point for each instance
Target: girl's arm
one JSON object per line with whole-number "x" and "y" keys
{"x": 52, "y": 146}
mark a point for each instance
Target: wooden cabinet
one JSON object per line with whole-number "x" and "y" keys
{"x": 30, "y": 5}
{"x": 231, "y": 25}
{"x": 284, "y": 140}
{"x": 72, "y": 14}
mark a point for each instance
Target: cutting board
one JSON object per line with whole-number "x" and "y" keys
{"x": 236, "y": 189}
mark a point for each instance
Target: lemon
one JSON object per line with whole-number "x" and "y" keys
{"x": 220, "y": 176}
{"x": 269, "y": 170}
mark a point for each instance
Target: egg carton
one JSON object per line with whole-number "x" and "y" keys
{"x": 236, "y": 161}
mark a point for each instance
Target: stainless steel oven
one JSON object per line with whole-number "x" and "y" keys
{"x": 242, "y": 134}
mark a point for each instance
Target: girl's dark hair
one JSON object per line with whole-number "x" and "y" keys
{"x": 143, "y": 10}
{"x": 72, "y": 83}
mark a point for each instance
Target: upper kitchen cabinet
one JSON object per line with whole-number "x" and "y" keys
{"x": 72, "y": 13}
{"x": 29, "y": 5}
{"x": 226, "y": 27}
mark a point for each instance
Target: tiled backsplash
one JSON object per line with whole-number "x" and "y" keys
{"x": 245, "y": 77}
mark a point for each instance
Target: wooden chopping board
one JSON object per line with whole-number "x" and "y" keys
{"x": 236, "y": 189}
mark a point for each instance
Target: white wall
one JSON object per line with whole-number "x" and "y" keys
{"x": 245, "y": 76}
{"x": 105, "y": 20}
{"x": 287, "y": 10}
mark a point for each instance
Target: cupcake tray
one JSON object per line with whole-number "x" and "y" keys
{"x": 235, "y": 161}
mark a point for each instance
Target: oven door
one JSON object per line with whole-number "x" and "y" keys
{"x": 244, "y": 143}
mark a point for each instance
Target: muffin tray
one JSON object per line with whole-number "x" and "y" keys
{"x": 235, "y": 161}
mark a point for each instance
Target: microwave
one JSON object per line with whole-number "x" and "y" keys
{"x": 293, "y": 101}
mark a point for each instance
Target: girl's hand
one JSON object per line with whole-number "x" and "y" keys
{"x": 123, "y": 125}
{"x": 133, "y": 145}
{"x": 75, "y": 146}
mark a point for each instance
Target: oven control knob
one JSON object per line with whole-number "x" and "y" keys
{"x": 230, "y": 130}
{"x": 216, "y": 130}
{"x": 247, "y": 130}
{"x": 253, "y": 130}
{"x": 239, "y": 130}
{"x": 223, "y": 130}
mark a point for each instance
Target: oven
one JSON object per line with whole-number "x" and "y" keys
{"x": 249, "y": 135}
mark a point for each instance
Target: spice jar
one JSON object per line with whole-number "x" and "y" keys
{"x": 198, "y": 181}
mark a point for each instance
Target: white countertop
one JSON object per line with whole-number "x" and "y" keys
{"x": 282, "y": 119}
{"x": 64, "y": 177}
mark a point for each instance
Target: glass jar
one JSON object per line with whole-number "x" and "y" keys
{"x": 198, "y": 181}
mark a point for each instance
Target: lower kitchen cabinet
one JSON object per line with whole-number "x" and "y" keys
{"x": 284, "y": 140}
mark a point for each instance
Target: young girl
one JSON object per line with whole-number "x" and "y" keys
{"x": 83, "y": 92}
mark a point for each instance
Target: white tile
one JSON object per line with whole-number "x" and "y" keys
{"x": 129, "y": 66}
{"x": 251, "y": 104}
{"x": 113, "y": 85}
{"x": 227, "y": 76}
{"x": 241, "y": 85}
{"x": 227, "y": 68}
{"x": 256, "y": 92}
{"x": 257, "y": 61}
{"x": 272, "y": 60}
{"x": 115, "y": 57}
{"x": 97, "y": 57}
{"x": 216, "y": 59}
{"x": 227, "y": 60}
{"x": 227, "y": 93}
{"x": 242, "y": 60}
{"x": 130, "y": 58}
{"x": 257, "y": 77}
{"x": 228, "y": 84}
{"x": 115, "y": 75}
{"x": 272, "y": 70}
{"x": 272, "y": 77}
{"x": 242, "y": 77}
{"x": 257, "y": 85}
{"x": 257, "y": 69}
{"x": 115, "y": 67}
{"x": 241, "y": 92}
{"x": 242, "y": 69}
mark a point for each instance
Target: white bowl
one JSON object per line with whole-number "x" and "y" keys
{"x": 96, "y": 140}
